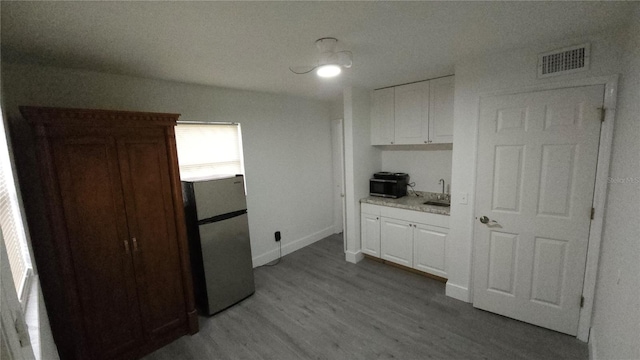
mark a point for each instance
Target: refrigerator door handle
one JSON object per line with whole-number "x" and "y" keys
{"x": 222, "y": 217}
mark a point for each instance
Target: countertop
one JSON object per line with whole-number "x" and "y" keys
{"x": 410, "y": 202}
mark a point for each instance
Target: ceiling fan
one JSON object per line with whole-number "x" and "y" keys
{"x": 330, "y": 62}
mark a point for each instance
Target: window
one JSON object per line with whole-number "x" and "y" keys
{"x": 209, "y": 149}
{"x": 11, "y": 222}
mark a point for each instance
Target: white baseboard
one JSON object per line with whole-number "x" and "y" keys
{"x": 353, "y": 257}
{"x": 593, "y": 353}
{"x": 292, "y": 246}
{"x": 457, "y": 292}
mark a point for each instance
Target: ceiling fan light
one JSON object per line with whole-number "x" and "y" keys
{"x": 328, "y": 71}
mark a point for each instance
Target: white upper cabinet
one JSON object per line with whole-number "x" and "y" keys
{"x": 382, "y": 117}
{"x": 441, "y": 110}
{"x": 412, "y": 113}
{"x": 417, "y": 113}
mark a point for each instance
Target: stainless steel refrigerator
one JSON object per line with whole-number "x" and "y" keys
{"x": 220, "y": 251}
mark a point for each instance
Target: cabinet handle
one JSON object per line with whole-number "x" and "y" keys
{"x": 126, "y": 247}
{"x": 135, "y": 244}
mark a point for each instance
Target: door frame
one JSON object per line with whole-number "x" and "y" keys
{"x": 337, "y": 140}
{"x": 600, "y": 187}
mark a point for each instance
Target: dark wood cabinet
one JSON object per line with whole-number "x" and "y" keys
{"x": 114, "y": 210}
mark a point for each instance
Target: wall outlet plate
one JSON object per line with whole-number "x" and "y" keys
{"x": 463, "y": 198}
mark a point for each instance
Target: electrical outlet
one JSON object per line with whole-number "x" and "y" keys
{"x": 277, "y": 235}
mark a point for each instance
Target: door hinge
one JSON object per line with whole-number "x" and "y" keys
{"x": 581, "y": 301}
{"x": 593, "y": 213}
{"x": 603, "y": 113}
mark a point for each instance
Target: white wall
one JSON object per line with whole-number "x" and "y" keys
{"x": 337, "y": 108}
{"x": 361, "y": 160}
{"x": 483, "y": 75}
{"x": 287, "y": 141}
{"x": 425, "y": 167}
{"x": 615, "y": 332}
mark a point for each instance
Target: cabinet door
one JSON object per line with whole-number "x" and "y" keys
{"x": 152, "y": 229}
{"x": 382, "y": 117}
{"x": 370, "y": 234}
{"x": 429, "y": 243}
{"x": 88, "y": 177}
{"x": 412, "y": 113}
{"x": 396, "y": 241}
{"x": 441, "y": 93}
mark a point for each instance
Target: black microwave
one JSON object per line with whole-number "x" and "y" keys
{"x": 389, "y": 185}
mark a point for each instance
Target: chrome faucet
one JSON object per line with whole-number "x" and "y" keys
{"x": 444, "y": 195}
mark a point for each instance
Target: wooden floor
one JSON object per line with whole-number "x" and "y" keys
{"x": 314, "y": 305}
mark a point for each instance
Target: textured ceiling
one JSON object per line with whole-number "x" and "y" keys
{"x": 250, "y": 45}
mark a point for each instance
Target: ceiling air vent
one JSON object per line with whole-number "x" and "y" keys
{"x": 564, "y": 61}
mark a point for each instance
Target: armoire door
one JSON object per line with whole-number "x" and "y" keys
{"x": 86, "y": 167}
{"x": 152, "y": 230}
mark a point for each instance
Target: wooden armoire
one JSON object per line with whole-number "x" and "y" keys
{"x": 110, "y": 242}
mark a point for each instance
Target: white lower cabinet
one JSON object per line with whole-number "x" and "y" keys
{"x": 370, "y": 229}
{"x": 429, "y": 248}
{"x": 410, "y": 238}
{"x": 398, "y": 241}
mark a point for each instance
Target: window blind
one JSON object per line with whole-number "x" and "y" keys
{"x": 11, "y": 222}
{"x": 209, "y": 149}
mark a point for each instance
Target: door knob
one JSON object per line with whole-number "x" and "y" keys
{"x": 484, "y": 219}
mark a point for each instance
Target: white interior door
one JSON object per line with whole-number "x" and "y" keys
{"x": 337, "y": 141}
{"x": 537, "y": 156}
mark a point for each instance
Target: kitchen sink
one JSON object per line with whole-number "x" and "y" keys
{"x": 437, "y": 203}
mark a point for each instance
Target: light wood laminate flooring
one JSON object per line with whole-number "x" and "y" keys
{"x": 314, "y": 305}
